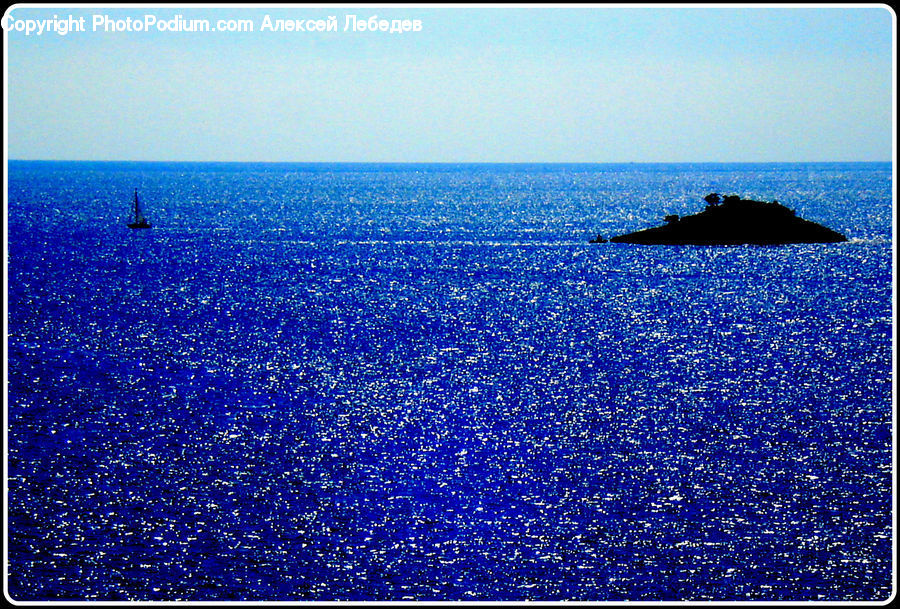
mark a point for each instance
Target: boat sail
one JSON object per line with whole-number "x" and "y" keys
{"x": 139, "y": 220}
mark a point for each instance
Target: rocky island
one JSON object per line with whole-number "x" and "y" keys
{"x": 733, "y": 221}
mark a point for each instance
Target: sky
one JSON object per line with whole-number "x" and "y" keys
{"x": 476, "y": 83}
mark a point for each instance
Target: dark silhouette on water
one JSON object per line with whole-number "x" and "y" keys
{"x": 139, "y": 220}
{"x": 734, "y": 221}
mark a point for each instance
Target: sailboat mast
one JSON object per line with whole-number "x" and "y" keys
{"x": 139, "y": 220}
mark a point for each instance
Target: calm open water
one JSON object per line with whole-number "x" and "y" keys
{"x": 387, "y": 382}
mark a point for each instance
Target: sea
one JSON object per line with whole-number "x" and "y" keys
{"x": 390, "y": 382}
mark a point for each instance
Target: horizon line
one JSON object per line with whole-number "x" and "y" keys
{"x": 10, "y": 160}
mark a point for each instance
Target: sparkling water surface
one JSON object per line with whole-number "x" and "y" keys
{"x": 389, "y": 382}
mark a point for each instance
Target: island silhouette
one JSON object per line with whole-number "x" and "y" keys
{"x": 733, "y": 221}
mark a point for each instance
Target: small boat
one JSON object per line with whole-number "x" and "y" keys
{"x": 139, "y": 220}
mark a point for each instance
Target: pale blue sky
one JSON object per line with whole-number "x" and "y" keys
{"x": 477, "y": 84}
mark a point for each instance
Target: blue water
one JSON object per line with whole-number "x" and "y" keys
{"x": 388, "y": 382}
